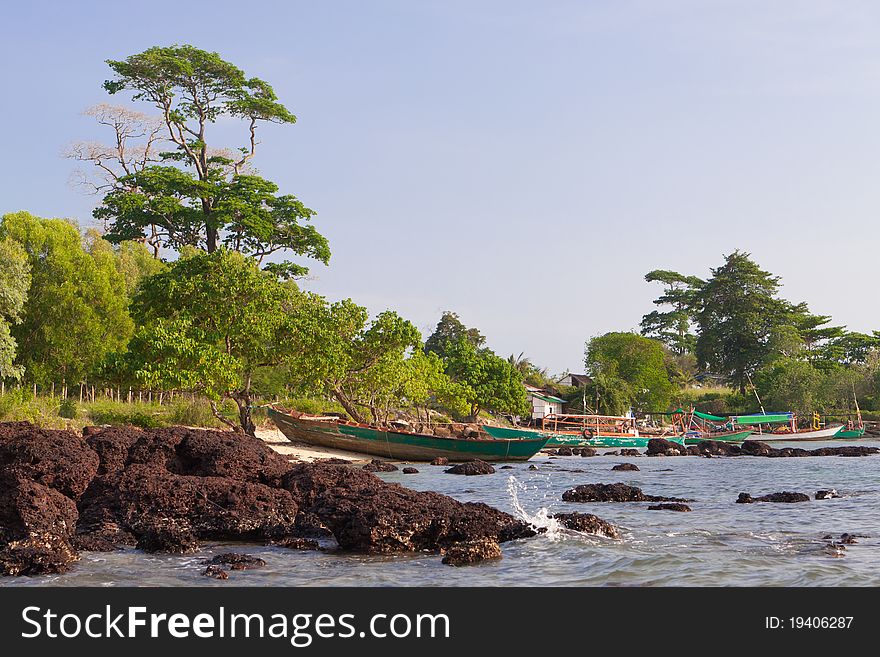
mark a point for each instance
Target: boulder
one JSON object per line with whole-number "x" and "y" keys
{"x": 236, "y": 561}
{"x": 564, "y": 451}
{"x": 785, "y": 497}
{"x": 612, "y": 493}
{"x": 469, "y": 552}
{"x": 826, "y": 494}
{"x": 216, "y": 572}
{"x": 630, "y": 452}
{"x": 470, "y": 468}
{"x": 631, "y": 467}
{"x": 670, "y": 506}
{"x": 410, "y": 471}
{"x": 587, "y": 523}
{"x": 588, "y": 451}
{"x": 377, "y": 465}
{"x": 440, "y": 460}
{"x": 296, "y": 543}
{"x": 663, "y": 447}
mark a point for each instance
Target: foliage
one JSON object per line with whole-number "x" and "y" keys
{"x": 628, "y": 368}
{"x": 450, "y": 329}
{"x": 673, "y": 327}
{"x": 14, "y": 284}
{"x": 76, "y": 309}
{"x": 209, "y": 323}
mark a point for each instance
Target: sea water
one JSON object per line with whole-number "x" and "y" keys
{"x": 719, "y": 543}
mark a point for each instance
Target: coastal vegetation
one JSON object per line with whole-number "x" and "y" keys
{"x": 186, "y": 308}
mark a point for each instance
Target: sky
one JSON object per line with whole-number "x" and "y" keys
{"x": 523, "y": 164}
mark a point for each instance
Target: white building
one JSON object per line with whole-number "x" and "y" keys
{"x": 543, "y": 403}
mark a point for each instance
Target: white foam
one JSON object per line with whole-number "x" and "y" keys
{"x": 541, "y": 519}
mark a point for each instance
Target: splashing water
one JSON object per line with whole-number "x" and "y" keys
{"x": 541, "y": 519}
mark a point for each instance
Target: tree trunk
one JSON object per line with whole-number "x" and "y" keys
{"x": 348, "y": 406}
{"x": 244, "y": 403}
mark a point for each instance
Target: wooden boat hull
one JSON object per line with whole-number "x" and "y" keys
{"x": 577, "y": 439}
{"x": 819, "y": 434}
{"x": 399, "y": 445}
{"x": 850, "y": 433}
{"x": 512, "y": 432}
{"x": 725, "y": 437}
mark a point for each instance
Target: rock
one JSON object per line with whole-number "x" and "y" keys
{"x": 442, "y": 432}
{"x": 167, "y": 535}
{"x": 440, "y": 460}
{"x": 36, "y": 527}
{"x": 475, "y": 467}
{"x": 670, "y": 506}
{"x": 236, "y": 561}
{"x": 564, "y": 451}
{"x": 295, "y": 543}
{"x": 612, "y": 493}
{"x": 630, "y": 452}
{"x": 60, "y": 460}
{"x": 587, "y": 523}
{"x": 216, "y": 572}
{"x": 826, "y": 494}
{"x": 626, "y": 467}
{"x": 848, "y": 539}
{"x": 718, "y": 448}
{"x": 588, "y": 451}
{"x": 469, "y": 552}
{"x": 366, "y": 514}
{"x": 410, "y": 471}
{"x": 533, "y": 467}
{"x": 377, "y": 465}
{"x": 784, "y": 497}
{"x": 661, "y": 446}
{"x": 506, "y": 467}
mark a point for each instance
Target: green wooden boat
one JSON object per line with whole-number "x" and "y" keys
{"x": 400, "y": 445}
{"x": 577, "y": 439}
{"x": 850, "y": 433}
{"x": 696, "y": 437}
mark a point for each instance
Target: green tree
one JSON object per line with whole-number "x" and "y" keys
{"x": 450, "y": 329}
{"x": 132, "y": 260}
{"x": 209, "y": 323}
{"x": 632, "y": 363}
{"x": 739, "y": 310}
{"x": 673, "y": 327}
{"x": 76, "y": 310}
{"x": 201, "y": 195}
{"x": 790, "y": 384}
{"x": 487, "y": 381}
{"x": 14, "y": 284}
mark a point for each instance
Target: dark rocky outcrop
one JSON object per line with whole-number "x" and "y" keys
{"x": 469, "y": 552}
{"x": 826, "y": 494}
{"x": 167, "y": 490}
{"x": 476, "y": 467}
{"x": 630, "y": 452}
{"x": 785, "y": 497}
{"x": 663, "y": 447}
{"x": 236, "y": 561}
{"x": 440, "y": 460}
{"x": 631, "y": 467}
{"x": 216, "y": 572}
{"x": 612, "y": 493}
{"x": 410, "y": 470}
{"x": 563, "y": 451}
{"x": 587, "y": 523}
{"x": 587, "y": 451}
{"x": 670, "y": 506}
{"x": 377, "y": 465}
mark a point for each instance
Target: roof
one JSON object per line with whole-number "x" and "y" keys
{"x": 547, "y": 398}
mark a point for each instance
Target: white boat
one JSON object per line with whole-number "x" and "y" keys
{"x": 815, "y": 434}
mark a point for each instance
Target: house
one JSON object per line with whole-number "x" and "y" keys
{"x": 575, "y": 380}
{"x": 543, "y": 403}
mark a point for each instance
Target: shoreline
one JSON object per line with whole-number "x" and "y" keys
{"x": 303, "y": 453}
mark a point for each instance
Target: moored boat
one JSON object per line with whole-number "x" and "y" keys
{"x": 789, "y": 430}
{"x": 569, "y": 430}
{"x": 337, "y": 433}
{"x": 698, "y": 427}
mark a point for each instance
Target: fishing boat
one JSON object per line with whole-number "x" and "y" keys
{"x": 571, "y": 430}
{"x": 854, "y": 428}
{"x": 337, "y": 433}
{"x": 784, "y": 426}
{"x": 697, "y": 427}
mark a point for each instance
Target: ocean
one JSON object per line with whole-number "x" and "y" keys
{"x": 718, "y": 543}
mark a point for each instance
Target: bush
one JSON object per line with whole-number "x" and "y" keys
{"x": 68, "y": 409}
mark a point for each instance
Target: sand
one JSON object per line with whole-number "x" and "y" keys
{"x": 302, "y": 452}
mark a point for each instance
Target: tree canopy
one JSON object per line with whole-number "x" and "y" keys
{"x": 14, "y": 283}
{"x": 630, "y": 367}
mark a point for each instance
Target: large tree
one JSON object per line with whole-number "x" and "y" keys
{"x": 200, "y": 194}
{"x": 14, "y": 283}
{"x": 76, "y": 309}
{"x": 673, "y": 327}
{"x": 738, "y": 314}
{"x": 450, "y": 329}
{"x": 210, "y": 323}
{"x": 629, "y": 367}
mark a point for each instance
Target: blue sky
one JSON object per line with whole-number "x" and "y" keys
{"x": 522, "y": 163}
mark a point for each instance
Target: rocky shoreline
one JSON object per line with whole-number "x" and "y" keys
{"x": 169, "y": 490}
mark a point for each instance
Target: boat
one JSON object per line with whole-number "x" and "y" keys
{"x": 790, "y": 430}
{"x": 854, "y": 428}
{"x": 570, "y": 430}
{"x": 337, "y": 433}
{"x": 697, "y": 427}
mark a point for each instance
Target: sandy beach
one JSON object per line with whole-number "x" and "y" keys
{"x": 302, "y": 452}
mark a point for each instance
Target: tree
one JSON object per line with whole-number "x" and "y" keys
{"x": 14, "y": 284}
{"x": 531, "y": 373}
{"x": 738, "y": 312}
{"x": 487, "y": 382}
{"x": 789, "y": 384}
{"x": 200, "y": 195}
{"x": 209, "y": 323}
{"x": 76, "y": 310}
{"x": 631, "y": 363}
{"x": 132, "y": 260}
{"x": 673, "y": 328}
{"x": 450, "y": 329}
